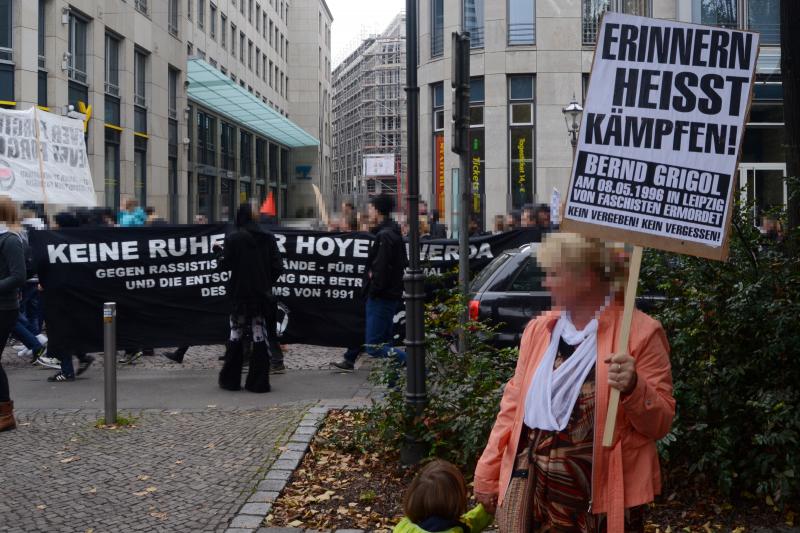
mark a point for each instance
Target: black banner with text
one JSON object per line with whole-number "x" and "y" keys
{"x": 170, "y": 291}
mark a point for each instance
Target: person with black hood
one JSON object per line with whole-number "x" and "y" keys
{"x": 251, "y": 255}
{"x": 383, "y": 285}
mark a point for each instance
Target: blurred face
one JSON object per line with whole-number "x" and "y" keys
{"x": 543, "y": 217}
{"x": 510, "y": 221}
{"x": 373, "y": 215}
{"x": 569, "y": 286}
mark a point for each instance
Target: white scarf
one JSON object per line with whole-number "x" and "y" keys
{"x": 553, "y": 393}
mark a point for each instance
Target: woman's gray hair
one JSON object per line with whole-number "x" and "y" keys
{"x": 574, "y": 252}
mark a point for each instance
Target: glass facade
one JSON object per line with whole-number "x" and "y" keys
{"x": 521, "y": 140}
{"x": 473, "y": 21}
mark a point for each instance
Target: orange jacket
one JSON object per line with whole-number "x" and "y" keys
{"x": 628, "y": 473}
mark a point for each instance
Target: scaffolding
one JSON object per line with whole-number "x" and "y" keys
{"x": 369, "y": 116}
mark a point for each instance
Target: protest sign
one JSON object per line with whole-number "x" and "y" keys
{"x": 43, "y": 159}
{"x": 170, "y": 290}
{"x": 659, "y": 140}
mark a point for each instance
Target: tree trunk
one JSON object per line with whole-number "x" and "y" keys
{"x": 790, "y": 71}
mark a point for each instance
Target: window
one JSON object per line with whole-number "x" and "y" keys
{"x": 724, "y": 13}
{"x": 212, "y": 23}
{"x": 250, "y": 54}
{"x": 112, "y": 171}
{"x": 189, "y": 9}
{"x": 438, "y": 107}
{"x": 258, "y": 18}
{"x": 223, "y": 31}
{"x": 233, "y": 39}
{"x": 140, "y": 169}
{"x": 241, "y": 46}
{"x": 6, "y": 41}
{"x": 763, "y": 16}
{"x": 78, "y": 28}
{"x": 521, "y": 22}
{"x": 437, "y": 110}
{"x": 477, "y": 153}
{"x": 764, "y": 140}
{"x": 521, "y": 137}
{"x": 476, "y": 100}
{"x": 473, "y": 21}
{"x": 246, "y": 154}
{"x": 264, "y": 24}
{"x": 201, "y": 13}
{"x": 529, "y": 278}
{"x": 250, "y": 10}
{"x": 228, "y": 149}
{"x": 593, "y": 10}
{"x": 42, "y": 75}
{"x": 172, "y": 17}
{"x": 141, "y": 6}
{"x": 139, "y": 92}
{"x": 112, "y": 65}
{"x": 172, "y": 93}
{"x": 112, "y": 113}
{"x": 270, "y": 33}
{"x": 258, "y": 61}
{"x": 206, "y": 135}
{"x": 241, "y": 6}
{"x": 270, "y": 74}
{"x": 437, "y": 28}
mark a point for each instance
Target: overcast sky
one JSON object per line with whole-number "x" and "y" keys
{"x": 356, "y": 19}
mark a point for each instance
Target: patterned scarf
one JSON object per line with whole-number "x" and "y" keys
{"x": 553, "y": 393}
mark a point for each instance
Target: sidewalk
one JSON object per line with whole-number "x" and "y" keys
{"x": 196, "y": 455}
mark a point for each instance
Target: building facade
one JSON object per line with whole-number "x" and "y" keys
{"x": 141, "y": 71}
{"x": 528, "y": 59}
{"x": 369, "y": 118}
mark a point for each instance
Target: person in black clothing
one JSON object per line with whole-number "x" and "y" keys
{"x": 12, "y": 278}
{"x": 251, "y": 255}
{"x": 438, "y": 230}
{"x": 383, "y": 285}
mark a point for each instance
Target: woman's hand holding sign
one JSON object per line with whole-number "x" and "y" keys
{"x": 622, "y": 372}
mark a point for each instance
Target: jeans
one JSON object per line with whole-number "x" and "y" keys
{"x": 32, "y": 307}
{"x": 7, "y": 319}
{"x": 379, "y": 331}
{"x": 23, "y": 332}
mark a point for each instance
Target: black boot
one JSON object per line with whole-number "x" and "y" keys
{"x": 230, "y": 377}
{"x": 258, "y": 373}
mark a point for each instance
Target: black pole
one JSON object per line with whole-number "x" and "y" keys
{"x": 416, "y": 397}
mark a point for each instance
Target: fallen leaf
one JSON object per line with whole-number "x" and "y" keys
{"x": 211, "y": 406}
{"x": 93, "y": 490}
{"x": 70, "y": 459}
{"x": 41, "y": 507}
{"x": 295, "y": 523}
{"x": 143, "y": 477}
{"x": 179, "y": 462}
{"x": 770, "y": 502}
{"x": 160, "y": 516}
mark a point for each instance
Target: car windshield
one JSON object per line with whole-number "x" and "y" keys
{"x": 484, "y": 275}
{"x": 529, "y": 278}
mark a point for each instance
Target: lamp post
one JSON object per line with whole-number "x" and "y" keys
{"x": 572, "y": 116}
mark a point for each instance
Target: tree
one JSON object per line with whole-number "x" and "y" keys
{"x": 790, "y": 71}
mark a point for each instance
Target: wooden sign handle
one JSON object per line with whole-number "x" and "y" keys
{"x": 622, "y": 340}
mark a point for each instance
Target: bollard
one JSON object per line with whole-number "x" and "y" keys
{"x": 109, "y": 361}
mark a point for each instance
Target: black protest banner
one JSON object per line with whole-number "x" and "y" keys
{"x": 169, "y": 290}
{"x": 661, "y": 131}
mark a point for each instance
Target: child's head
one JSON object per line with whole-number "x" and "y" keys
{"x": 438, "y": 490}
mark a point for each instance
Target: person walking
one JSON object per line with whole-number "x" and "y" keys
{"x": 251, "y": 255}
{"x": 12, "y": 279}
{"x": 544, "y": 467}
{"x": 132, "y": 214}
{"x": 383, "y": 285}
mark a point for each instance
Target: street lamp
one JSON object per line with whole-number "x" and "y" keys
{"x": 572, "y": 116}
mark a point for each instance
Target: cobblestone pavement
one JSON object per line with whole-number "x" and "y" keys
{"x": 296, "y": 357}
{"x": 175, "y": 471}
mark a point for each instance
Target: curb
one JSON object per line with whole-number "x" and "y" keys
{"x": 252, "y": 514}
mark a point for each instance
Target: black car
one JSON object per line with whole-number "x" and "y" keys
{"x": 508, "y": 293}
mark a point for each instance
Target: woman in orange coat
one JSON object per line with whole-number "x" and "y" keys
{"x": 544, "y": 467}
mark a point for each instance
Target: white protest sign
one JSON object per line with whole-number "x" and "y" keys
{"x": 660, "y": 134}
{"x": 555, "y": 207}
{"x": 44, "y": 161}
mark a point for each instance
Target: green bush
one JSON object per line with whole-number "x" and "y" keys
{"x": 463, "y": 392}
{"x": 734, "y": 331}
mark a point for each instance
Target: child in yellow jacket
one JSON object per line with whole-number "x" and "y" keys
{"x": 436, "y": 501}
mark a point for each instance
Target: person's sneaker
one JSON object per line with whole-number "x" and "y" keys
{"x": 130, "y": 357}
{"x": 172, "y": 356}
{"x": 343, "y": 365}
{"x": 84, "y": 364}
{"x": 59, "y": 377}
{"x": 25, "y": 353}
{"x": 49, "y": 362}
{"x": 279, "y": 368}
{"x": 19, "y": 347}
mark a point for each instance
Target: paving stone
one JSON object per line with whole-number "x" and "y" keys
{"x": 291, "y": 455}
{"x": 247, "y": 521}
{"x": 203, "y": 468}
{"x": 298, "y": 446}
{"x": 302, "y": 437}
{"x": 279, "y": 530}
{"x": 263, "y": 497}
{"x": 285, "y": 464}
{"x": 306, "y": 430}
{"x": 256, "y": 508}
{"x": 239, "y": 530}
{"x": 282, "y": 475}
{"x": 271, "y": 485}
